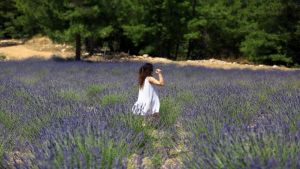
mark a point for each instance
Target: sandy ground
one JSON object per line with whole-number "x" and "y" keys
{"x": 21, "y": 52}
{"x": 37, "y": 47}
{"x": 43, "y": 48}
{"x": 210, "y": 63}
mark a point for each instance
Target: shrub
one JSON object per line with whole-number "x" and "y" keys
{"x": 2, "y": 57}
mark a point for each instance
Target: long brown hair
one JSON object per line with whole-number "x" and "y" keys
{"x": 145, "y": 70}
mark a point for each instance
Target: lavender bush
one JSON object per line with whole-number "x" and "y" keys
{"x": 78, "y": 115}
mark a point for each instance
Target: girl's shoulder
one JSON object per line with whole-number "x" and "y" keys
{"x": 148, "y": 77}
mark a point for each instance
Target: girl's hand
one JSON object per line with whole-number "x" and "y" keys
{"x": 158, "y": 71}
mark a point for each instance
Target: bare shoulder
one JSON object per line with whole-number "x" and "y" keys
{"x": 150, "y": 78}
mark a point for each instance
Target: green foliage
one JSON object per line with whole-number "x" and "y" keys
{"x": 2, "y": 57}
{"x": 167, "y": 141}
{"x": 2, "y": 88}
{"x": 105, "y": 32}
{"x": 265, "y": 32}
{"x": 262, "y": 47}
{"x": 22, "y": 94}
{"x": 29, "y": 80}
{"x": 13, "y": 24}
{"x": 136, "y": 32}
{"x": 170, "y": 110}
{"x": 34, "y": 78}
{"x": 139, "y": 124}
{"x": 185, "y": 97}
{"x": 94, "y": 89}
{"x": 110, "y": 150}
{"x": 112, "y": 99}
{"x": 1, "y": 149}
{"x": 30, "y": 128}
{"x": 195, "y": 25}
{"x": 156, "y": 160}
{"x": 147, "y": 49}
{"x": 262, "y": 147}
{"x": 8, "y": 120}
{"x": 8, "y": 13}
{"x": 280, "y": 58}
{"x": 71, "y": 95}
{"x": 134, "y": 122}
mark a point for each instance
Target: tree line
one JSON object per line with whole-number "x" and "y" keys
{"x": 263, "y": 31}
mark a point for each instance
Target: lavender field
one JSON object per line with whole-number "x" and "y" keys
{"x": 78, "y": 115}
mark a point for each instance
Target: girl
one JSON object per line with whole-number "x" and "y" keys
{"x": 148, "y": 101}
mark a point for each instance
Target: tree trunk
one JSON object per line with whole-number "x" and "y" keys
{"x": 90, "y": 45}
{"x": 190, "y": 43}
{"x": 169, "y": 51}
{"x": 78, "y": 47}
{"x": 189, "y": 49}
{"x": 176, "y": 51}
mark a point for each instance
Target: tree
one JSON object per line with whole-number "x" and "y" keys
{"x": 72, "y": 21}
{"x": 263, "y": 31}
{"x": 155, "y": 27}
{"x": 269, "y": 40}
{"x": 12, "y": 23}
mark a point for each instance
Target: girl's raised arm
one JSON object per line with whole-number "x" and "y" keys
{"x": 159, "y": 82}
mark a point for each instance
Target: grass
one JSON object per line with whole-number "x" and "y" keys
{"x": 156, "y": 160}
{"x": 33, "y": 79}
{"x": 294, "y": 122}
{"x": 83, "y": 149}
{"x": 29, "y": 80}
{"x": 116, "y": 72}
{"x": 72, "y": 70}
{"x": 167, "y": 141}
{"x": 34, "y": 126}
{"x": 151, "y": 138}
{"x": 185, "y": 97}
{"x": 1, "y": 149}
{"x": 109, "y": 151}
{"x": 8, "y": 121}
{"x": 169, "y": 111}
{"x": 138, "y": 124}
{"x": 94, "y": 89}
{"x": 2, "y": 88}
{"x": 112, "y": 99}
{"x": 22, "y": 94}
{"x": 266, "y": 147}
{"x": 71, "y": 95}
{"x": 132, "y": 121}
{"x": 241, "y": 112}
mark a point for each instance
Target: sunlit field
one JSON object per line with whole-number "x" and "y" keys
{"x": 78, "y": 115}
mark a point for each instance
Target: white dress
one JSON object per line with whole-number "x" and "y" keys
{"x": 148, "y": 101}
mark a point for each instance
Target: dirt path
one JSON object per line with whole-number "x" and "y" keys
{"x": 37, "y": 47}
{"x": 171, "y": 153}
{"x": 21, "y": 52}
{"x": 210, "y": 63}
